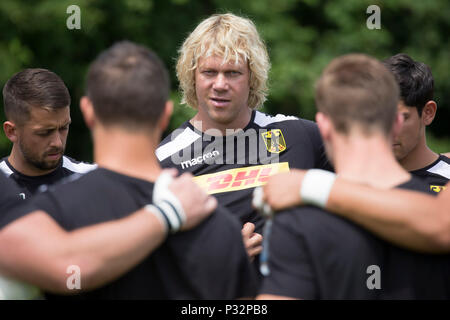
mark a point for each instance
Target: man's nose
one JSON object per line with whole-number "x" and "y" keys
{"x": 220, "y": 83}
{"x": 57, "y": 140}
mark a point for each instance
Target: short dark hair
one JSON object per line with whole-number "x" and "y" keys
{"x": 357, "y": 89}
{"x": 33, "y": 88}
{"x": 128, "y": 85}
{"x": 414, "y": 78}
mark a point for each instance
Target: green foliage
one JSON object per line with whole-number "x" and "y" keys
{"x": 439, "y": 145}
{"x": 181, "y": 113}
{"x": 302, "y": 37}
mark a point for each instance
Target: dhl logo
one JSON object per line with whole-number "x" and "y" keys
{"x": 239, "y": 178}
{"x": 437, "y": 189}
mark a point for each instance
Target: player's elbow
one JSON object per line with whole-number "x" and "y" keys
{"x": 444, "y": 242}
{"x": 442, "y": 236}
{"x": 85, "y": 274}
{"x": 438, "y": 235}
{"x": 72, "y": 275}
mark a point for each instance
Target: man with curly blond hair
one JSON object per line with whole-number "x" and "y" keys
{"x": 228, "y": 145}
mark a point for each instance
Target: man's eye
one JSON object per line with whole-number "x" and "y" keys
{"x": 209, "y": 72}
{"x": 43, "y": 133}
{"x": 233, "y": 73}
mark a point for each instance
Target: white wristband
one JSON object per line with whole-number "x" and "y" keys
{"x": 316, "y": 187}
{"x": 168, "y": 202}
{"x": 259, "y": 204}
{"x": 157, "y": 212}
{"x": 166, "y": 213}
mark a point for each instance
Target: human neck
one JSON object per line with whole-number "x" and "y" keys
{"x": 368, "y": 160}
{"x": 420, "y": 157}
{"x": 207, "y": 125}
{"x": 17, "y": 161}
{"x": 128, "y": 153}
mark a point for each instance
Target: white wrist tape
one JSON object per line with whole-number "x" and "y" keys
{"x": 158, "y": 213}
{"x": 168, "y": 204}
{"x": 316, "y": 187}
{"x": 259, "y": 204}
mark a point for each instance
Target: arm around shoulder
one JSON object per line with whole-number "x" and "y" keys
{"x": 37, "y": 250}
{"x": 407, "y": 218}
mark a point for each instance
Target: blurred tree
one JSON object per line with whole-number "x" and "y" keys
{"x": 302, "y": 37}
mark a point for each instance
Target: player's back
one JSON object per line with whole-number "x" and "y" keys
{"x": 315, "y": 255}
{"x": 318, "y": 255}
{"x": 413, "y": 275}
{"x": 207, "y": 262}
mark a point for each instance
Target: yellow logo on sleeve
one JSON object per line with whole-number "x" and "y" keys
{"x": 437, "y": 189}
{"x": 239, "y": 178}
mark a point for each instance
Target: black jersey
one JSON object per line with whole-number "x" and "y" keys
{"x": 436, "y": 174}
{"x": 231, "y": 167}
{"x": 317, "y": 255}
{"x": 29, "y": 185}
{"x": 207, "y": 262}
{"x": 11, "y": 206}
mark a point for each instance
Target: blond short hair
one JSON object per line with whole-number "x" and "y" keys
{"x": 358, "y": 90}
{"x": 230, "y": 37}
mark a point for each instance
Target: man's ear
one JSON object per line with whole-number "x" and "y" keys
{"x": 164, "y": 120}
{"x": 325, "y": 125}
{"x": 429, "y": 112}
{"x": 10, "y": 130}
{"x": 87, "y": 109}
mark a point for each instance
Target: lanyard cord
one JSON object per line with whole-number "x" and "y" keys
{"x": 264, "y": 256}
{"x": 266, "y": 211}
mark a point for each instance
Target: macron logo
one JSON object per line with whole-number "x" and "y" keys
{"x": 199, "y": 159}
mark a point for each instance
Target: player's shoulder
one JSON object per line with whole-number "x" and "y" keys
{"x": 8, "y": 190}
{"x": 415, "y": 184}
{"x": 75, "y": 166}
{"x": 442, "y": 168}
{"x": 306, "y": 220}
{"x": 289, "y": 124}
{"x": 445, "y": 158}
{"x": 176, "y": 141}
{"x": 263, "y": 120}
{"x": 439, "y": 168}
{"x": 74, "y": 183}
{"x": 98, "y": 188}
{"x": 104, "y": 180}
{"x": 5, "y": 167}
{"x": 321, "y": 231}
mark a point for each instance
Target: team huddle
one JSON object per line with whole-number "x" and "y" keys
{"x": 352, "y": 206}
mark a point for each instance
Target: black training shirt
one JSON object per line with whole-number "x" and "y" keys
{"x": 29, "y": 185}
{"x": 317, "y": 255}
{"x": 208, "y": 262}
{"x": 11, "y": 206}
{"x": 436, "y": 174}
{"x": 231, "y": 167}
